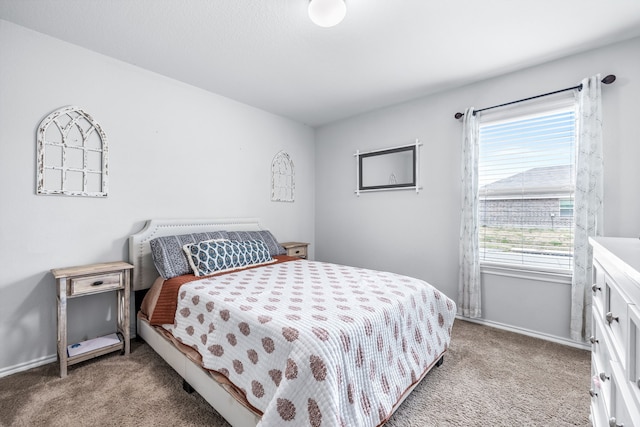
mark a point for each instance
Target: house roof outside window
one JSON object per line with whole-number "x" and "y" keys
{"x": 541, "y": 182}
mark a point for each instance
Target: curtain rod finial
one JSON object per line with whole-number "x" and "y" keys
{"x": 459, "y": 115}
{"x": 609, "y": 79}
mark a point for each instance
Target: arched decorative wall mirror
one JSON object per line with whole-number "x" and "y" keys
{"x": 282, "y": 178}
{"x": 72, "y": 155}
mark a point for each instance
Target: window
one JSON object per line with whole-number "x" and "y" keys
{"x": 566, "y": 208}
{"x": 526, "y": 186}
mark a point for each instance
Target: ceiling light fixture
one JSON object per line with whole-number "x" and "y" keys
{"x": 327, "y": 13}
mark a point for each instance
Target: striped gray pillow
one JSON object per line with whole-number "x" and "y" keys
{"x": 264, "y": 235}
{"x": 169, "y": 257}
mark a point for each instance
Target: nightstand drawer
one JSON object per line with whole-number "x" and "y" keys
{"x": 95, "y": 283}
{"x": 297, "y": 249}
{"x": 300, "y": 251}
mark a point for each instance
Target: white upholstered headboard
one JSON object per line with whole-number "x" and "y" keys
{"x": 144, "y": 272}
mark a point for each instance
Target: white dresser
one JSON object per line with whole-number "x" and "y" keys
{"x": 615, "y": 357}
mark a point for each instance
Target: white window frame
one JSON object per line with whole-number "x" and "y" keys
{"x": 539, "y": 107}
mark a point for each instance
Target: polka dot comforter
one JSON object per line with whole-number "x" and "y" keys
{"x": 313, "y": 343}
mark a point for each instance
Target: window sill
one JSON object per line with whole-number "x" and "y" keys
{"x": 527, "y": 272}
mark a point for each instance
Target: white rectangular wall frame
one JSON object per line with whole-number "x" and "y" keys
{"x": 395, "y": 168}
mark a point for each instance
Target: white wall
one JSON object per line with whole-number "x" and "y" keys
{"x": 166, "y": 138}
{"x": 417, "y": 234}
{"x": 175, "y": 151}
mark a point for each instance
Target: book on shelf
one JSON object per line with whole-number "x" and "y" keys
{"x": 92, "y": 344}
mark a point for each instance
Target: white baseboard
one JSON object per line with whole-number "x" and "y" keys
{"x": 45, "y": 360}
{"x": 528, "y": 332}
{"x": 560, "y": 340}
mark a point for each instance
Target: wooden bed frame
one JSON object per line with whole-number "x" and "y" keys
{"x": 195, "y": 377}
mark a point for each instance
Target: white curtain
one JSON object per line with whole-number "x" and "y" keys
{"x": 469, "y": 277}
{"x": 587, "y": 203}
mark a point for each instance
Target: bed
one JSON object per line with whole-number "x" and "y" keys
{"x": 287, "y": 341}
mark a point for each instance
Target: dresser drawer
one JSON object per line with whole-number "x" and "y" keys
{"x": 633, "y": 355}
{"x": 95, "y": 283}
{"x": 598, "y": 286}
{"x": 601, "y": 382}
{"x": 599, "y": 413}
{"x": 615, "y": 317}
{"x": 622, "y": 410}
{"x": 601, "y": 346}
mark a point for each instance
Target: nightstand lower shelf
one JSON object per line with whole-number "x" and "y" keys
{"x": 105, "y": 349}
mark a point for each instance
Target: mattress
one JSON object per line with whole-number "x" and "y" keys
{"x": 312, "y": 343}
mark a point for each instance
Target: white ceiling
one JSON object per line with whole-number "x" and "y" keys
{"x": 268, "y": 54}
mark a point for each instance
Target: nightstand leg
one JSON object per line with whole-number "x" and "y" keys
{"x": 62, "y": 326}
{"x": 123, "y": 311}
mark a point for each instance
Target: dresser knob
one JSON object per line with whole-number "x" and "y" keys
{"x": 593, "y": 340}
{"x": 595, "y": 288}
{"x": 613, "y": 422}
{"x": 593, "y": 393}
{"x": 604, "y": 376}
{"x": 610, "y": 318}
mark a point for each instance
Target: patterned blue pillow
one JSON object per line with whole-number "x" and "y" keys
{"x": 263, "y": 235}
{"x": 169, "y": 257}
{"x": 213, "y": 256}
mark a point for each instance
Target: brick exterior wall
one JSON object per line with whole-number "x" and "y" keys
{"x": 535, "y": 213}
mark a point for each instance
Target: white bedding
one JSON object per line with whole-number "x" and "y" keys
{"x": 313, "y": 343}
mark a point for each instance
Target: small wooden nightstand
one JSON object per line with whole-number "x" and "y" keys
{"x": 74, "y": 282}
{"x": 298, "y": 249}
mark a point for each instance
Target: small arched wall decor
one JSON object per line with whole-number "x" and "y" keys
{"x": 72, "y": 155}
{"x": 282, "y": 178}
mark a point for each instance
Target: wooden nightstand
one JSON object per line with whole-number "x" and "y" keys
{"x": 74, "y": 282}
{"x": 298, "y": 249}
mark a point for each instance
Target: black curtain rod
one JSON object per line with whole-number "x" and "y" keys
{"x": 607, "y": 80}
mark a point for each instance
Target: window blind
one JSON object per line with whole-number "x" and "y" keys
{"x": 526, "y": 185}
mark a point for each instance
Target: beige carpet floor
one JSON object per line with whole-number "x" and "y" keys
{"x": 489, "y": 377}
